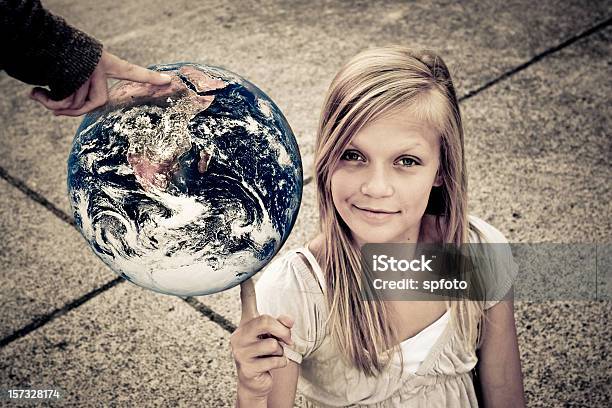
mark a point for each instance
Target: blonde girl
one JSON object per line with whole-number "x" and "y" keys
{"x": 389, "y": 167}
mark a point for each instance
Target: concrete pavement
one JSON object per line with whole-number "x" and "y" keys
{"x": 537, "y": 149}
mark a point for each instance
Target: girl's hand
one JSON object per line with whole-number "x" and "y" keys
{"x": 256, "y": 348}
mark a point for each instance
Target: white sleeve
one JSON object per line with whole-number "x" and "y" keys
{"x": 287, "y": 287}
{"x": 505, "y": 268}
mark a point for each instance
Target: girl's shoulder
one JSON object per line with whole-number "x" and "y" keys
{"x": 291, "y": 271}
{"x": 504, "y": 270}
{"x": 481, "y": 231}
{"x": 287, "y": 287}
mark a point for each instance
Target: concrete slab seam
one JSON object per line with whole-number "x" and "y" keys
{"x": 224, "y": 323}
{"x": 42, "y": 320}
{"x": 20, "y": 185}
{"x": 537, "y": 58}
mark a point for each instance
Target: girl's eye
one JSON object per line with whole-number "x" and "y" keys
{"x": 408, "y": 162}
{"x": 351, "y": 155}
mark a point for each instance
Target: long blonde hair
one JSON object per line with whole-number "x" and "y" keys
{"x": 370, "y": 85}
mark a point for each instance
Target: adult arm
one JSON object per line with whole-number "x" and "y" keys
{"x": 40, "y": 48}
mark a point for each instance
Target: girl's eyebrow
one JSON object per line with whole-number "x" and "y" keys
{"x": 402, "y": 149}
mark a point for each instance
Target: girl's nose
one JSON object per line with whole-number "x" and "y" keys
{"x": 377, "y": 185}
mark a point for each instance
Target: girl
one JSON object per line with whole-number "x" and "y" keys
{"x": 389, "y": 166}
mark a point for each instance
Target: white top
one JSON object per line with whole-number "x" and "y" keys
{"x": 414, "y": 349}
{"x": 436, "y": 366}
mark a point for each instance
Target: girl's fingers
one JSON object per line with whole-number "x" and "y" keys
{"x": 286, "y": 320}
{"x": 260, "y": 328}
{"x": 266, "y": 347}
{"x": 43, "y": 96}
{"x": 267, "y": 325}
{"x": 262, "y": 365}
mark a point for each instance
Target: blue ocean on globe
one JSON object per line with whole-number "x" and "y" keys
{"x": 186, "y": 189}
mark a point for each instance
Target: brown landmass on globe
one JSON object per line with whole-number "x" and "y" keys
{"x": 155, "y": 148}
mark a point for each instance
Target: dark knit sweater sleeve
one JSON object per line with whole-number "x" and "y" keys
{"x": 40, "y": 48}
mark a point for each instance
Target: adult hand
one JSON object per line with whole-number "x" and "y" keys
{"x": 94, "y": 92}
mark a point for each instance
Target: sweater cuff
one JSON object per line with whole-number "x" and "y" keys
{"x": 77, "y": 59}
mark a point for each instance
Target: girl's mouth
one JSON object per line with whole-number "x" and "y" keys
{"x": 374, "y": 215}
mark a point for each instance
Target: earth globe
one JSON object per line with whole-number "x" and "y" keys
{"x": 186, "y": 189}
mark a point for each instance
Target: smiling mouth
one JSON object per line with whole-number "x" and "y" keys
{"x": 377, "y": 211}
{"x": 377, "y": 215}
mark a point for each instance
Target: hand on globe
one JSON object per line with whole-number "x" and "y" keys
{"x": 94, "y": 92}
{"x": 256, "y": 347}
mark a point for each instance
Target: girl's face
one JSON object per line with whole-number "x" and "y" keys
{"x": 389, "y": 167}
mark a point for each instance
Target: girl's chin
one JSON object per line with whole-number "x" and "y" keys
{"x": 371, "y": 237}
